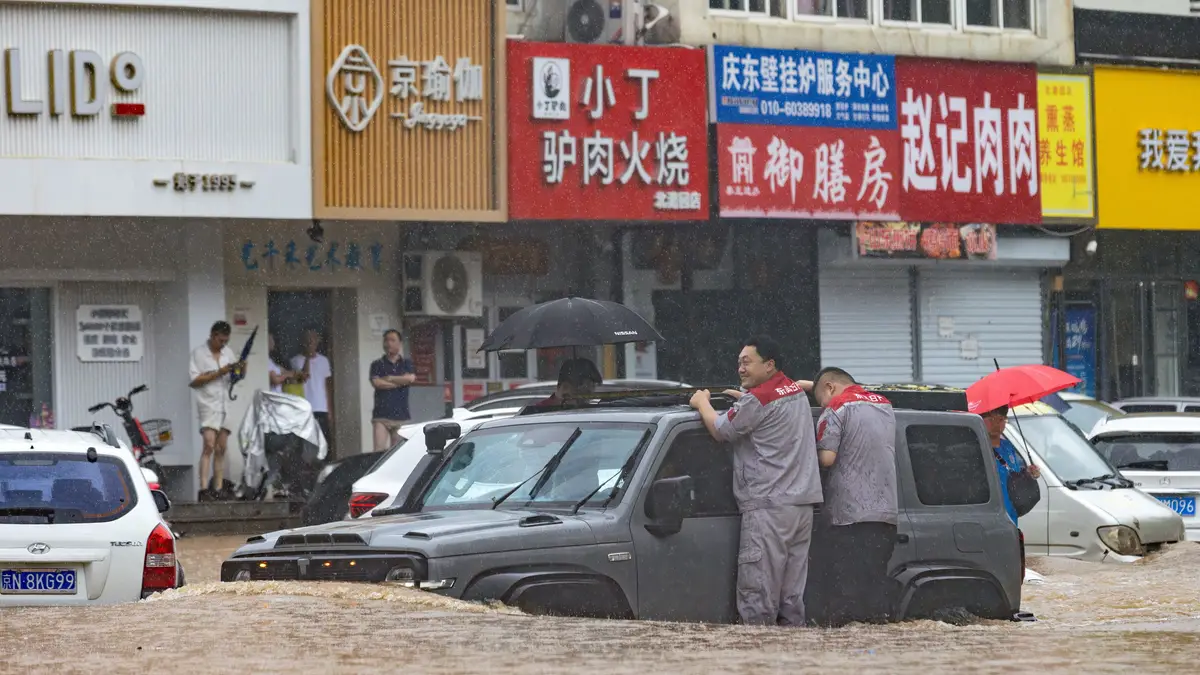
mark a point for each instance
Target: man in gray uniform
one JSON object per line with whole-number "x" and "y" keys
{"x": 856, "y": 438}
{"x": 775, "y": 480}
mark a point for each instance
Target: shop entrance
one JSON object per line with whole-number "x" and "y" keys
{"x": 26, "y": 373}
{"x": 1146, "y": 324}
{"x": 291, "y": 313}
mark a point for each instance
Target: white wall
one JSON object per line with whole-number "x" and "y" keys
{"x": 691, "y": 23}
{"x": 224, "y": 93}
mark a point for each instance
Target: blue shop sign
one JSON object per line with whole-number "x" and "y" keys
{"x": 327, "y": 257}
{"x": 751, "y": 85}
{"x": 1080, "y": 347}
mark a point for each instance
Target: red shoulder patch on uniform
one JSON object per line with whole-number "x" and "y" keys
{"x": 731, "y": 414}
{"x": 777, "y": 387}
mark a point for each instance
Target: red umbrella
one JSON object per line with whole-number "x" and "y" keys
{"x": 1016, "y": 386}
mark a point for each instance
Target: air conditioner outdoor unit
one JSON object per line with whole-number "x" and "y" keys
{"x": 604, "y": 21}
{"x": 443, "y": 283}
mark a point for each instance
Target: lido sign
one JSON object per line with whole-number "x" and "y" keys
{"x": 74, "y": 83}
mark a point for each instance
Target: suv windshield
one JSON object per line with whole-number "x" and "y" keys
{"x": 1065, "y": 449}
{"x": 1151, "y": 452}
{"x": 487, "y": 464}
{"x": 39, "y": 487}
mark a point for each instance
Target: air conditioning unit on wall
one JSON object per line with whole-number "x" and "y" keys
{"x": 604, "y": 21}
{"x": 443, "y": 283}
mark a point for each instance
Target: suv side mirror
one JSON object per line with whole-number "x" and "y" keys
{"x": 436, "y": 436}
{"x": 670, "y": 501}
{"x": 161, "y": 501}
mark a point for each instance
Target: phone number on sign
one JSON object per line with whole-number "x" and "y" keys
{"x": 796, "y": 108}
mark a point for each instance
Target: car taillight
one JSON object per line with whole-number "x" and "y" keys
{"x": 155, "y": 486}
{"x": 361, "y": 502}
{"x": 158, "y": 574}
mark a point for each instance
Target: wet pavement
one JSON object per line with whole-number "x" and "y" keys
{"x": 1093, "y": 618}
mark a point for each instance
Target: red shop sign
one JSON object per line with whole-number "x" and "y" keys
{"x": 968, "y": 133}
{"x": 807, "y": 172}
{"x": 600, "y": 132}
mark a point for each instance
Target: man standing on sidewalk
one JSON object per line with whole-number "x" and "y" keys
{"x": 315, "y": 370}
{"x": 856, "y": 441}
{"x": 775, "y": 481}
{"x": 209, "y": 369}
{"x": 391, "y": 376}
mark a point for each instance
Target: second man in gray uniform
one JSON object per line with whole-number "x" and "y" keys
{"x": 776, "y": 482}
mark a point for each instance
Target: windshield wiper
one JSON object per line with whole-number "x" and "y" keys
{"x": 625, "y": 469}
{"x": 1080, "y": 482}
{"x": 549, "y": 466}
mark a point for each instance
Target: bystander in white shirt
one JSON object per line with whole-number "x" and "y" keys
{"x": 319, "y": 370}
{"x": 211, "y": 398}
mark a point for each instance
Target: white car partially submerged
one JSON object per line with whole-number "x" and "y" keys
{"x": 383, "y": 483}
{"x": 78, "y": 522}
{"x": 1160, "y": 453}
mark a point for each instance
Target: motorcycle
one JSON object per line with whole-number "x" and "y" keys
{"x": 145, "y": 437}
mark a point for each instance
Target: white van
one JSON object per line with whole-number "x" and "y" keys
{"x": 1087, "y": 511}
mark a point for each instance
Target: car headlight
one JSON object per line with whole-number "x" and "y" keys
{"x": 1121, "y": 539}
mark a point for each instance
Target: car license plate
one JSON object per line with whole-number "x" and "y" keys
{"x": 37, "y": 582}
{"x": 1184, "y": 506}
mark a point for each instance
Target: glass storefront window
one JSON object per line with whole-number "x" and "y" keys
{"x": 26, "y": 366}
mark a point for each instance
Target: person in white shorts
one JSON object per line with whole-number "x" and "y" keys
{"x": 211, "y": 364}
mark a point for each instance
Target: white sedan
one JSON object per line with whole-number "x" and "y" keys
{"x": 383, "y": 483}
{"x": 78, "y": 522}
{"x": 1160, "y": 453}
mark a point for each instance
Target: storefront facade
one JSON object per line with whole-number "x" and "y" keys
{"x": 127, "y": 149}
{"x": 1132, "y": 314}
{"x": 921, "y": 186}
{"x": 408, "y": 110}
{"x": 608, "y": 162}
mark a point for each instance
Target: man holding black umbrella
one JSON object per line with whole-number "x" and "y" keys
{"x": 211, "y": 365}
{"x": 776, "y": 483}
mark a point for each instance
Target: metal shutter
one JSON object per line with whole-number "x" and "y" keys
{"x": 1000, "y": 309}
{"x": 866, "y": 323}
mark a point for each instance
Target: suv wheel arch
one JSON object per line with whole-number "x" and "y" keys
{"x": 929, "y": 591}
{"x": 558, "y": 592}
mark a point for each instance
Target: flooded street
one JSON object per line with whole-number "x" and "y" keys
{"x": 1094, "y": 618}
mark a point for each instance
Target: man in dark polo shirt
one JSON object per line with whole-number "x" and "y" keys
{"x": 391, "y": 376}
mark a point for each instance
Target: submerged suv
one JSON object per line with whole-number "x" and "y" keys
{"x": 625, "y": 509}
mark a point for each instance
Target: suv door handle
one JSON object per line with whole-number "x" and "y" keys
{"x": 902, "y": 538}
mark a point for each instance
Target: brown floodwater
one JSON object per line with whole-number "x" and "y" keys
{"x": 1093, "y": 618}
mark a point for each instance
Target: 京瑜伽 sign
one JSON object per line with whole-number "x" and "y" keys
{"x": 752, "y": 85}
{"x": 935, "y": 241}
{"x": 1065, "y": 145}
{"x": 606, "y": 132}
{"x": 111, "y": 333}
{"x": 969, "y": 141}
{"x": 805, "y": 134}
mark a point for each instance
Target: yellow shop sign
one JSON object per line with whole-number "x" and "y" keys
{"x": 1148, "y": 148}
{"x": 1065, "y": 145}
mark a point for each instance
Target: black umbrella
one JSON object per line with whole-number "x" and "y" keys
{"x": 570, "y": 322}
{"x": 239, "y": 374}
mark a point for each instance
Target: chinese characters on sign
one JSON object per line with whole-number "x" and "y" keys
{"x": 969, "y": 137}
{"x": 751, "y": 85}
{"x": 601, "y": 132}
{"x": 356, "y": 88}
{"x": 328, "y": 257}
{"x": 1169, "y": 150}
{"x": 941, "y": 241}
{"x": 1079, "y": 347}
{"x": 802, "y": 173}
{"x": 111, "y": 333}
{"x": 1065, "y": 145}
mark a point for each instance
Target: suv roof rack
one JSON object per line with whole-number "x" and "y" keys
{"x": 930, "y": 397}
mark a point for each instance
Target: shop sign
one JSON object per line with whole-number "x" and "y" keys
{"x": 1079, "y": 347}
{"x": 74, "y": 84}
{"x": 935, "y": 241}
{"x": 969, "y": 137}
{"x": 310, "y": 257}
{"x": 1065, "y": 145}
{"x": 751, "y": 85}
{"x": 109, "y": 333}
{"x": 794, "y": 172}
{"x": 356, "y": 89}
{"x": 606, "y": 132}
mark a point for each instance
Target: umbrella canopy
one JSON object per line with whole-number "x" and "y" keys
{"x": 570, "y": 322}
{"x": 1016, "y": 386}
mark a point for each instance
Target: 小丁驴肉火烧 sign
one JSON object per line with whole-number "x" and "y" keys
{"x": 110, "y": 332}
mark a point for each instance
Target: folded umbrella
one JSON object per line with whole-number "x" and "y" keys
{"x": 1016, "y": 386}
{"x": 239, "y": 374}
{"x": 570, "y": 322}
